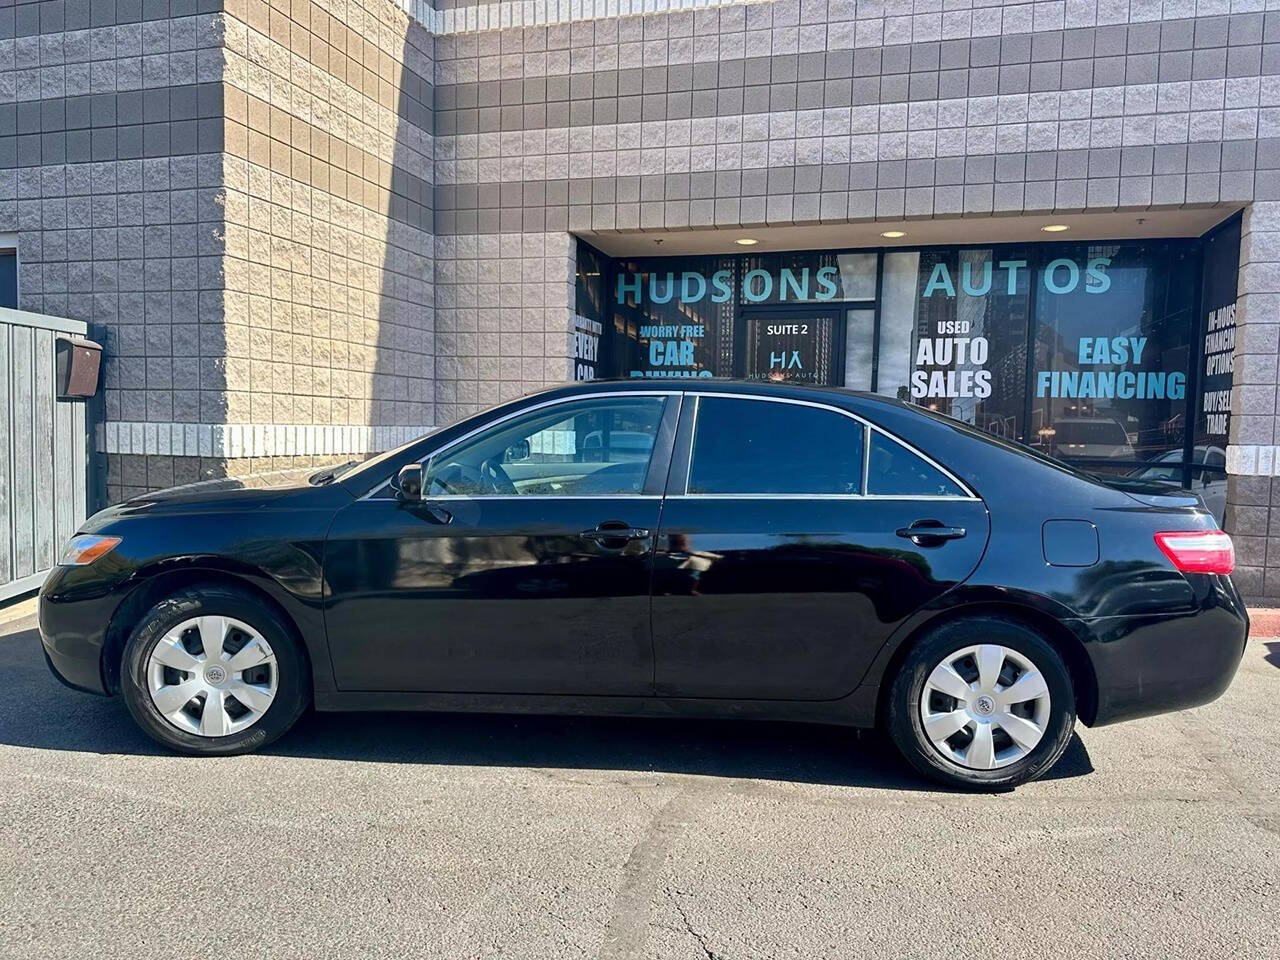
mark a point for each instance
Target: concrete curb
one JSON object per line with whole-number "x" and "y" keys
{"x": 1264, "y": 622}
{"x": 16, "y": 610}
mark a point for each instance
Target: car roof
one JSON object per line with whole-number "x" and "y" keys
{"x": 716, "y": 385}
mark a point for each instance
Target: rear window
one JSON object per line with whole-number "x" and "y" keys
{"x": 894, "y": 471}
{"x": 765, "y": 446}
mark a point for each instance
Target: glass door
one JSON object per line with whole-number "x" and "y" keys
{"x": 801, "y": 344}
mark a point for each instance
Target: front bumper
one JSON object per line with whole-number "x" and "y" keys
{"x": 1151, "y": 665}
{"x": 74, "y": 623}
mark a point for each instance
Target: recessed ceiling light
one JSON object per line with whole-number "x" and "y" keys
{"x": 746, "y": 241}
{"x": 893, "y": 234}
{"x": 1055, "y": 228}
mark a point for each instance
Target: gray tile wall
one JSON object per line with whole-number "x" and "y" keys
{"x": 240, "y": 194}
{"x": 110, "y": 132}
{"x": 1252, "y": 519}
{"x": 610, "y": 123}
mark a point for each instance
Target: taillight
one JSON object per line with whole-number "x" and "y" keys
{"x": 1198, "y": 551}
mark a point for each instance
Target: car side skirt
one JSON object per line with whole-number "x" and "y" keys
{"x": 858, "y": 709}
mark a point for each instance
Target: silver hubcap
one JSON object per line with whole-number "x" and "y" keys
{"x": 212, "y": 676}
{"x": 985, "y": 706}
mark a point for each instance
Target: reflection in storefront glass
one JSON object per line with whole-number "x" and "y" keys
{"x": 798, "y": 348}
{"x": 953, "y": 333}
{"x": 857, "y": 275}
{"x": 1112, "y": 353}
{"x": 859, "y": 348}
{"x": 670, "y": 315}
{"x": 1082, "y": 350}
{"x": 807, "y": 277}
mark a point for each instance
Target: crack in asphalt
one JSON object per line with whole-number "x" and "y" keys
{"x": 689, "y": 928}
{"x": 627, "y": 931}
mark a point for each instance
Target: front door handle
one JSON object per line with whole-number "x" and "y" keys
{"x": 930, "y": 533}
{"x": 613, "y": 534}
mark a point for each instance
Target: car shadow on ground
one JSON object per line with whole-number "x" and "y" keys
{"x": 1273, "y": 653}
{"x": 38, "y": 712}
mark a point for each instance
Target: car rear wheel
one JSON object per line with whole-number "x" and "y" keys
{"x": 213, "y": 671}
{"x": 982, "y": 703}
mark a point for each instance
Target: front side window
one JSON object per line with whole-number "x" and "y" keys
{"x": 592, "y": 447}
{"x": 894, "y": 471}
{"x": 758, "y": 446}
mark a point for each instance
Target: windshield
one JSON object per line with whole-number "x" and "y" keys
{"x": 357, "y": 469}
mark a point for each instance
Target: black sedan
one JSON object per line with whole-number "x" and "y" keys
{"x": 698, "y": 549}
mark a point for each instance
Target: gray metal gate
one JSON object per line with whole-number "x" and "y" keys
{"x": 45, "y": 451}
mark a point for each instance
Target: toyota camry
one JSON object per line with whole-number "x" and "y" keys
{"x": 694, "y": 549}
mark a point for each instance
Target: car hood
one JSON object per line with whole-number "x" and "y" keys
{"x": 228, "y": 493}
{"x": 274, "y": 480}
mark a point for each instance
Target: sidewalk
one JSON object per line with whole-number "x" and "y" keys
{"x": 16, "y": 610}
{"x": 1264, "y": 622}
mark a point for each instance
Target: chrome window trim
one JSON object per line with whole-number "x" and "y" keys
{"x": 666, "y": 394}
{"x": 866, "y": 457}
{"x": 697, "y": 396}
{"x": 969, "y": 494}
{"x": 693, "y": 443}
{"x": 867, "y": 425}
{"x": 822, "y": 496}
{"x": 445, "y": 497}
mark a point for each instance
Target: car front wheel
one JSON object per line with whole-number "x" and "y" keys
{"x": 213, "y": 671}
{"x": 982, "y": 703}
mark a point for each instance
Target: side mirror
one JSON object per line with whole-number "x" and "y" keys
{"x": 409, "y": 482}
{"x": 518, "y": 451}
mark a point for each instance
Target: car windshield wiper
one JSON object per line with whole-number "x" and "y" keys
{"x": 330, "y": 475}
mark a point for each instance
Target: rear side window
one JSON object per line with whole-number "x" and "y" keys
{"x": 893, "y": 470}
{"x": 762, "y": 446}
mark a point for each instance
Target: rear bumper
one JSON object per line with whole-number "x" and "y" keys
{"x": 1151, "y": 665}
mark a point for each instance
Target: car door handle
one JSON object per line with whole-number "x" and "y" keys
{"x": 604, "y": 533}
{"x": 930, "y": 533}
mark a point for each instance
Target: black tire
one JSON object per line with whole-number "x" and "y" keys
{"x": 293, "y": 692}
{"x": 903, "y": 712}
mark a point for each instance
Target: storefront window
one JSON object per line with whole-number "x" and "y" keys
{"x": 859, "y": 348}
{"x": 1216, "y": 367}
{"x": 953, "y": 333}
{"x": 1112, "y": 353}
{"x": 1082, "y": 350}
{"x": 589, "y": 323}
{"x": 670, "y": 314}
{"x": 807, "y": 277}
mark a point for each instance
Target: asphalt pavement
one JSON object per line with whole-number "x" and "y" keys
{"x": 475, "y": 836}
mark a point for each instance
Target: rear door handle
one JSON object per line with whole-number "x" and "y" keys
{"x": 925, "y": 533}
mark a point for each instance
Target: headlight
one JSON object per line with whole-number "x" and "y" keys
{"x": 85, "y": 548}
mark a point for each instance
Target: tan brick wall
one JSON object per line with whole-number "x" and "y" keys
{"x": 329, "y": 289}
{"x": 132, "y": 475}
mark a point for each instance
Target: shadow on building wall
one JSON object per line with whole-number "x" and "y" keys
{"x": 402, "y": 381}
